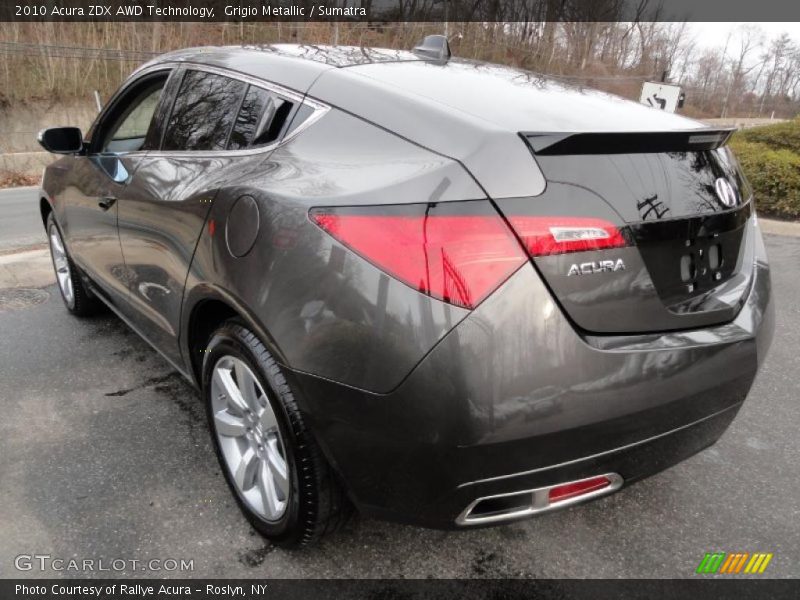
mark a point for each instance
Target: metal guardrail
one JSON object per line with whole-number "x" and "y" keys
{"x": 27, "y": 49}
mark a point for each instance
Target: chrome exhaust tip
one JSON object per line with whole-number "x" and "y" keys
{"x": 516, "y": 505}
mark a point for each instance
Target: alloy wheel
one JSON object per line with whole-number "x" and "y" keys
{"x": 61, "y": 265}
{"x": 249, "y": 437}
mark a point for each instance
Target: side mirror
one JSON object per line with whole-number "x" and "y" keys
{"x": 61, "y": 140}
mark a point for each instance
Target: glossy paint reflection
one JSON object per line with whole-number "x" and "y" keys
{"x": 649, "y": 293}
{"x": 337, "y": 56}
{"x": 329, "y": 311}
{"x": 161, "y": 216}
{"x": 650, "y": 187}
{"x": 513, "y": 394}
{"x": 91, "y": 186}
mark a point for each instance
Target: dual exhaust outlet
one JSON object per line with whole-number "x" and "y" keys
{"x": 516, "y": 505}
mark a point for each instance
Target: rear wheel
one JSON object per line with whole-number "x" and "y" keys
{"x": 77, "y": 297}
{"x": 270, "y": 460}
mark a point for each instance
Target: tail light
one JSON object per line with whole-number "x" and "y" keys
{"x": 560, "y": 235}
{"x": 458, "y": 252}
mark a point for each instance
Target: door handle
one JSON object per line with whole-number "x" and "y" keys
{"x": 106, "y": 203}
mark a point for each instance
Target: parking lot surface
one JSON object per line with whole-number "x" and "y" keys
{"x": 20, "y": 221}
{"x": 105, "y": 454}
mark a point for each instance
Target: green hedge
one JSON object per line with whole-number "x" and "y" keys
{"x": 784, "y": 135}
{"x": 770, "y": 157}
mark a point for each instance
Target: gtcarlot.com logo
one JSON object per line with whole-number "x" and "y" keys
{"x": 734, "y": 563}
{"x": 46, "y": 562}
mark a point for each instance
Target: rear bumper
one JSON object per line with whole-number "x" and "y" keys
{"x": 513, "y": 398}
{"x": 632, "y": 462}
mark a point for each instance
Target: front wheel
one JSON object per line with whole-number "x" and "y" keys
{"x": 271, "y": 462}
{"x": 77, "y": 297}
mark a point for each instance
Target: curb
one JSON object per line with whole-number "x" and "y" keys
{"x": 27, "y": 268}
{"x": 775, "y": 227}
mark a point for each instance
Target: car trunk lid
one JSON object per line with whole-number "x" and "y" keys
{"x": 681, "y": 204}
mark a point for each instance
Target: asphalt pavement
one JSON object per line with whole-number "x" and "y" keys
{"x": 20, "y": 221}
{"x": 105, "y": 454}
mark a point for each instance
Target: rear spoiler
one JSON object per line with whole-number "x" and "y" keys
{"x": 693, "y": 140}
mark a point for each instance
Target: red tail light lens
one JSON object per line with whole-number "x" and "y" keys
{"x": 458, "y": 252}
{"x": 559, "y": 235}
{"x": 567, "y": 491}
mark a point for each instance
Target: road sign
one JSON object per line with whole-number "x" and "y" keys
{"x": 660, "y": 95}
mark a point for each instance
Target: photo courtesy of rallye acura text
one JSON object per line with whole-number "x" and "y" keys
{"x": 438, "y": 291}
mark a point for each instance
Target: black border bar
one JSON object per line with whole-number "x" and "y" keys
{"x": 399, "y": 10}
{"x": 406, "y": 589}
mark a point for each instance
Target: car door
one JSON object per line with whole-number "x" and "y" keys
{"x": 116, "y": 145}
{"x": 213, "y": 124}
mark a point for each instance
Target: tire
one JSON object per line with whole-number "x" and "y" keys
{"x": 78, "y": 299}
{"x": 305, "y": 502}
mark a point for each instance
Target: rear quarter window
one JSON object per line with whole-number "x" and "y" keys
{"x": 262, "y": 119}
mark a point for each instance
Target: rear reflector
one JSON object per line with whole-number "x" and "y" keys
{"x": 560, "y": 235}
{"x": 524, "y": 503}
{"x": 567, "y": 491}
{"x": 458, "y": 252}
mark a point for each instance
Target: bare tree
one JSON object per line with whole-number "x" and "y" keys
{"x": 611, "y": 44}
{"x": 750, "y": 39}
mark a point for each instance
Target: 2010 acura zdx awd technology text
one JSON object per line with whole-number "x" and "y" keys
{"x": 448, "y": 293}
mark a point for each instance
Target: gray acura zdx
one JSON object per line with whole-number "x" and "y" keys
{"x": 445, "y": 292}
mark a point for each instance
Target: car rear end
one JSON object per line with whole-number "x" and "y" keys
{"x": 616, "y": 324}
{"x": 655, "y": 298}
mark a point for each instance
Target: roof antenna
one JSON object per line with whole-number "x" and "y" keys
{"x": 434, "y": 47}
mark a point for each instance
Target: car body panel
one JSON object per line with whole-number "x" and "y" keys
{"x": 484, "y": 148}
{"x": 601, "y": 295}
{"x": 161, "y": 215}
{"x": 76, "y": 187}
{"x": 514, "y": 398}
{"x": 453, "y": 114}
{"x": 329, "y": 311}
{"x": 519, "y": 100}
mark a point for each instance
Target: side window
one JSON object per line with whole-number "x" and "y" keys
{"x": 261, "y": 119}
{"x": 127, "y": 126}
{"x": 204, "y": 111}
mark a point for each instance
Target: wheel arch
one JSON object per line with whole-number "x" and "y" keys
{"x": 45, "y": 208}
{"x": 206, "y": 307}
